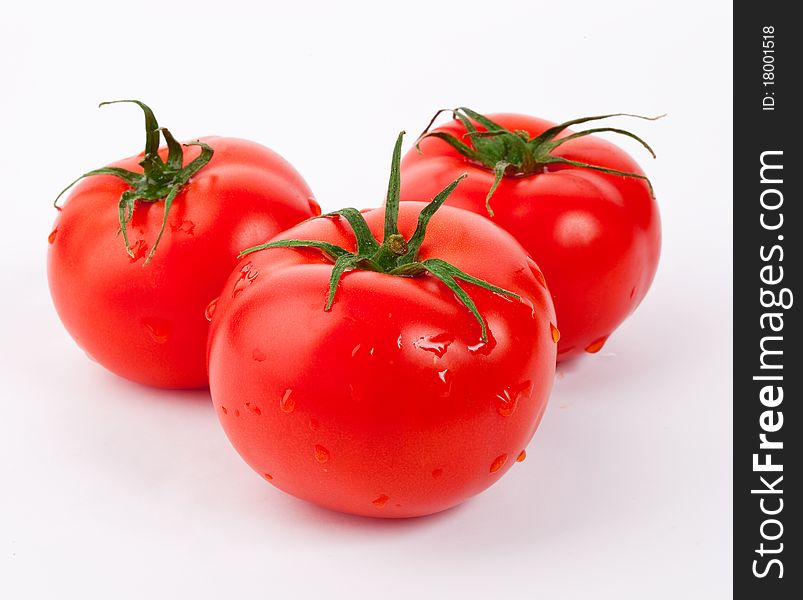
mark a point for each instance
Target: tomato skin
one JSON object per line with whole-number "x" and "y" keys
{"x": 147, "y": 323}
{"x": 387, "y": 405}
{"x": 596, "y": 236}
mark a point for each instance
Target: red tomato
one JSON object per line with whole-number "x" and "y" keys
{"x": 596, "y": 235}
{"x": 390, "y": 404}
{"x": 146, "y": 322}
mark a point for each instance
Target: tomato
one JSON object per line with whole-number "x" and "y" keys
{"x": 407, "y": 395}
{"x": 146, "y": 322}
{"x": 595, "y": 234}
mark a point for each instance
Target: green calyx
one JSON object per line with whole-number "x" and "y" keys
{"x": 160, "y": 180}
{"x": 395, "y": 255}
{"x": 515, "y": 153}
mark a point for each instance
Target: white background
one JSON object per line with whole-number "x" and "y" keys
{"x": 112, "y": 490}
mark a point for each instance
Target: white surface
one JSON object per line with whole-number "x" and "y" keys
{"x": 111, "y": 490}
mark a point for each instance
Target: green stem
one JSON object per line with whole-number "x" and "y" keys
{"x": 395, "y": 255}
{"x": 515, "y": 153}
{"x": 158, "y": 181}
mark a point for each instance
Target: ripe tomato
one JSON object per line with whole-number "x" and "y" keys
{"x": 389, "y": 404}
{"x": 146, "y": 322}
{"x": 595, "y": 234}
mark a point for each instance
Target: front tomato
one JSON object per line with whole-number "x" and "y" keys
{"x": 146, "y": 322}
{"x": 405, "y": 398}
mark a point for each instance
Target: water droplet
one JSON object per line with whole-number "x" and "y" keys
{"x": 355, "y": 350}
{"x": 437, "y": 473}
{"x": 555, "y": 333}
{"x": 484, "y": 347}
{"x": 185, "y": 226}
{"x": 508, "y": 399}
{"x": 258, "y": 355}
{"x": 52, "y": 237}
{"x": 267, "y": 476}
{"x": 314, "y": 207}
{"x": 498, "y": 463}
{"x": 632, "y": 292}
{"x": 528, "y": 303}
{"x": 506, "y": 403}
{"x": 380, "y": 501}
{"x": 522, "y": 455}
{"x": 139, "y": 249}
{"x": 371, "y": 351}
{"x": 210, "y": 309}
{"x": 399, "y": 342}
{"x": 253, "y": 408}
{"x": 437, "y": 344}
{"x": 539, "y": 276}
{"x": 287, "y": 403}
{"x": 236, "y": 413}
{"x": 390, "y": 315}
{"x": 225, "y": 410}
{"x": 247, "y": 275}
{"x": 596, "y": 345}
{"x": 321, "y": 454}
{"x": 158, "y": 329}
{"x": 446, "y": 378}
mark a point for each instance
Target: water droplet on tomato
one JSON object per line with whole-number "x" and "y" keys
{"x": 139, "y": 249}
{"x": 484, "y": 347}
{"x": 438, "y": 344}
{"x": 185, "y": 226}
{"x": 399, "y": 342}
{"x": 539, "y": 276}
{"x": 287, "y": 403}
{"x": 498, "y": 463}
{"x": 506, "y": 402}
{"x": 446, "y": 379}
{"x": 158, "y": 329}
{"x": 632, "y": 292}
{"x": 522, "y": 455}
{"x": 596, "y": 345}
{"x": 236, "y": 413}
{"x": 555, "y": 333}
{"x": 380, "y": 501}
{"x": 253, "y": 408}
{"x": 267, "y": 476}
{"x": 529, "y": 304}
{"x": 258, "y": 355}
{"x": 247, "y": 275}
{"x": 209, "y": 312}
{"x": 355, "y": 350}
{"x": 52, "y": 237}
{"x": 321, "y": 454}
{"x": 314, "y": 207}
{"x": 508, "y": 399}
{"x": 437, "y": 473}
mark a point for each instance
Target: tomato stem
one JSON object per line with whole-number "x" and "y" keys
{"x": 508, "y": 152}
{"x": 395, "y": 255}
{"x": 159, "y": 180}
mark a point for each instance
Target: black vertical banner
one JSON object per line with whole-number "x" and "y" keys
{"x": 768, "y": 260}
